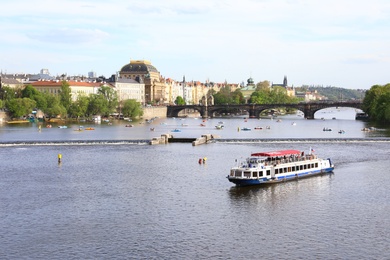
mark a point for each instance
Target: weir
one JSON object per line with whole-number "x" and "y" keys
{"x": 181, "y": 140}
{"x": 219, "y": 140}
{"x": 168, "y": 138}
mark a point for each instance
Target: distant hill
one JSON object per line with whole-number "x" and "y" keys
{"x": 336, "y": 94}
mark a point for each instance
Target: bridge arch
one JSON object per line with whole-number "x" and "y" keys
{"x": 254, "y": 110}
{"x": 173, "y": 111}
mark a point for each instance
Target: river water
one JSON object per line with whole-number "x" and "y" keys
{"x": 116, "y": 197}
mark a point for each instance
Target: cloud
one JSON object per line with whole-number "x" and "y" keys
{"x": 70, "y": 36}
{"x": 216, "y": 39}
{"x": 364, "y": 59}
{"x": 171, "y": 7}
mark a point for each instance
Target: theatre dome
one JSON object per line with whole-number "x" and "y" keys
{"x": 140, "y": 67}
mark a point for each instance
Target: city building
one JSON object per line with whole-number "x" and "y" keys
{"x": 77, "y": 88}
{"x": 127, "y": 88}
{"x": 144, "y": 72}
{"x": 173, "y": 90}
{"x": 310, "y": 96}
{"x": 10, "y": 82}
{"x": 289, "y": 90}
{"x": 248, "y": 89}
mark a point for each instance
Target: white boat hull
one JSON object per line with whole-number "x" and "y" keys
{"x": 261, "y": 171}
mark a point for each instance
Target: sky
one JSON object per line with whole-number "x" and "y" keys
{"x": 340, "y": 43}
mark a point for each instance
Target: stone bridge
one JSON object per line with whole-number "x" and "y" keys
{"x": 254, "y": 110}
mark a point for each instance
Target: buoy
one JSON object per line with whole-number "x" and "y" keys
{"x": 204, "y": 160}
{"x": 59, "y": 158}
{"x": 200, "y": 161}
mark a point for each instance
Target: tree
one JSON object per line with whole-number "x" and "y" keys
{"x": 376, "y": 103}
{"x": 79, "y": 108}
{"x": 65, "y": 95}
{"x": 8, "y": 93}
{"x": 179, "y": 101}
{"x": 132, "y": 108}
{"x": 54, "y": 107}
{"x": 237, "y": 97}
{"x": 41, "y": 102}
{"x": 260, "y": 97}
{"x": 19, "y": 107}
{"x": 111, "y": 97}
{"x": 276, "y": 95}
{"x": 226, "y": 96}
{"x": 97, "y": 105}
{"x": 30, "y": 92}
{"x": 263, "y": 85}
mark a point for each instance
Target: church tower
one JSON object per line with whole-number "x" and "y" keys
{"x": 285, "y": 81}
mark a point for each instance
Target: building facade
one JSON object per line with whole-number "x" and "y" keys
{"x": 78, "y": 88}
{"x": 144, "y": 72}
{"x": 127, "y": 88}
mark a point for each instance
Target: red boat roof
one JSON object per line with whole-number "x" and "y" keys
{"x": 277, "y": 153}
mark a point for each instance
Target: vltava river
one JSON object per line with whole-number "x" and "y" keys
{"x": 130, "y": 200}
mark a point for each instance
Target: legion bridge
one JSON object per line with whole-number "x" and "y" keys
{"x": 254, "y": 110}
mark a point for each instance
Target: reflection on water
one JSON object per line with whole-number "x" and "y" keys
{"x": 290, "y": 126}
{"x": 132, "y": 201}
{"x": 280, "y": 192}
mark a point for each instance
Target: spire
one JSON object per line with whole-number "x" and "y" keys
{"x": 285, "y": 81}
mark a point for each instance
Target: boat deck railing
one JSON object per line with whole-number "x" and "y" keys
{"x": 281, "y": 160}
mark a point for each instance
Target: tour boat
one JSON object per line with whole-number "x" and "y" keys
{"x": 278, "y": 166}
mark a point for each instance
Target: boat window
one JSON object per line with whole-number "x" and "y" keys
{"x": 285, "y": 169}
{"x": 289, "y": 169}
{"x": 305, "y": 166}
{"x": 276, "y": 171}
{"x": 247, "y": 174}
{"x": 255, "y": 174}
{"x": 268, "y": 172}
{"x": 238, "y": 174}
{"x": 316, "y": 165}
{"x": 312, "y": 165}
{"x": 293, "y": 168}
{"x": 308, "y": 166}
{"x": 260, "y": 173}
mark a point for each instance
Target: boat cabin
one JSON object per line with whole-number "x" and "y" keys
{"x": 272, "y": 164}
